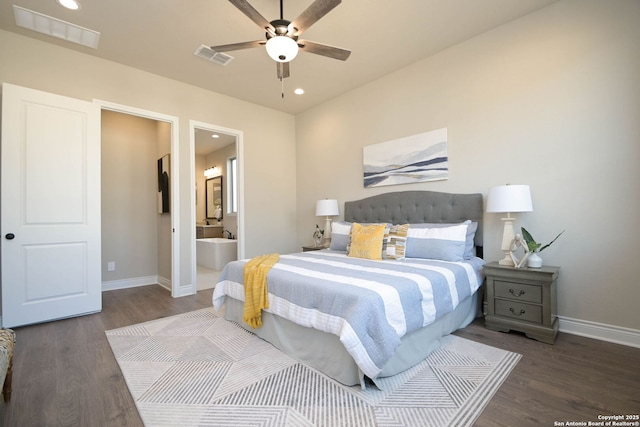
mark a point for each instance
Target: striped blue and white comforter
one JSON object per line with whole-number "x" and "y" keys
{"x": 370, "y": 305}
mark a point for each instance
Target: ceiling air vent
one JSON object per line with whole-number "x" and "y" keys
{"x": 211, "y": 55}
{"x": 55, "y": 27}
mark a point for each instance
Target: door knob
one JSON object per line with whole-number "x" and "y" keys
{"x": 9, "y": 236}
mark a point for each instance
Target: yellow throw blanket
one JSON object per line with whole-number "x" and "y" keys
{"x": 255, "y": 288}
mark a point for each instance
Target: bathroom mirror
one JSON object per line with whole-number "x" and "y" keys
{"x": 214, "y": 198}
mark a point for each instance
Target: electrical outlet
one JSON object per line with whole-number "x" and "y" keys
{"x": 111, "y": 266}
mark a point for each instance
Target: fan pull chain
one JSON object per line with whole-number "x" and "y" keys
{"x": 282, "y": 83}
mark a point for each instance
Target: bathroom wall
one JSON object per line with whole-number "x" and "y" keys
{"x": 200, "y": 166}
{"x": 219, "y": 158}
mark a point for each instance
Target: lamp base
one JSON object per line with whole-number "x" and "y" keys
{"x": 327, "y": 233}
{"x": 507, "y": 261}
{"x": 507, "y": 237}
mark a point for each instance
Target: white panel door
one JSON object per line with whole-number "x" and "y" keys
{"x": 50, "y": 223}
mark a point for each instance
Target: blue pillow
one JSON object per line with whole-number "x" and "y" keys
{"x": 469, "y": 245}
{"x": 340, "y": 231}
{"x": 446, "y": 243}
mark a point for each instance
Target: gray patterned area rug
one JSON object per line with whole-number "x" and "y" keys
{"x": 198, "y": 369}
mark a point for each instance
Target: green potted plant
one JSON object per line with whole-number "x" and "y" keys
{"x": 534, "y": 260}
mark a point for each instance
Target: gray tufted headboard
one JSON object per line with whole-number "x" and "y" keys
{"x": 417, "y": 207}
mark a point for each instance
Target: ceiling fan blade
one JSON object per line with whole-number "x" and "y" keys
{"x": 317, "y": 10}
{"x": 238, "y": 46}
{"x": 253, "y": 14}
{"x": 324, "y": 50}
{"x": 282, "y": 70}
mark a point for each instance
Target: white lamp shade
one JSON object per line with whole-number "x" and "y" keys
{"x": 282, "y": 48}
{"x": 509, "y": 198}
{"x": 327, "y": 207}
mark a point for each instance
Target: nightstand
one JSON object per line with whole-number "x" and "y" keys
{"x": 522, "y": 299}
{"x": 311, "y": 248}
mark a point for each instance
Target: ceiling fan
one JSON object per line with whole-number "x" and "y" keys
{"x": 282, "y": 36}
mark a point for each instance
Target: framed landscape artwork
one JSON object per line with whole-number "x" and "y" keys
{"x": 416, "y": 158}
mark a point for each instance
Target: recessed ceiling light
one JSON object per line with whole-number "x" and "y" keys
{"x": 69, "y": 4}
{"x": 215, "y": 135}
{"x": 299, "y": 91}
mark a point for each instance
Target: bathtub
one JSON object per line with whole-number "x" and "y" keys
{"x": 215, "y": 252}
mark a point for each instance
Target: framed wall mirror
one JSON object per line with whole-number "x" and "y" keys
{"x": 213, "y": 195}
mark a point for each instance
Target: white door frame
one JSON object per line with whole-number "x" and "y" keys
{"x": 193, "y": 124}
{"x": 176, "y": 289}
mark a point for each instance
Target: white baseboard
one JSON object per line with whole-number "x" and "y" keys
{"x": 164, "y": 282}
{"x": 147, "y": 280}
{"x": 130, "y": 283}
{"x": 180, "y": 292}
{"x": 600, "y": 331}
{"x": 185, "y": 291}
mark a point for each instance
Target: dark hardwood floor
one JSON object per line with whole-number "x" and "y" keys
{"x": 65, "y": 373}
{"x": 576, "y": 379}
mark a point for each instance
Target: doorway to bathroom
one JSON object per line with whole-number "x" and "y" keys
{"x": 217, "y": 200}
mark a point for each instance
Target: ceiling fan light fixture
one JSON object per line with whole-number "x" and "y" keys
{"x": 282, "y": 48}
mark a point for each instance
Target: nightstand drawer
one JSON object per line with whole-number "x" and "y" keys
{"x": 519, "y": 291}
{"x": 516, "y": 310}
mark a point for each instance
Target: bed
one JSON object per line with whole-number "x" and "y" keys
{"x": 393, "y": 311}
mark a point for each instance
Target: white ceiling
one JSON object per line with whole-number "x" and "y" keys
{"x": 161, "y": 36}
{"x": 206, "y": 144}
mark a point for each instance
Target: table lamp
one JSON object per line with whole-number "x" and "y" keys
{"x": 508, "y": 199}
{"x": 327, "y": 208}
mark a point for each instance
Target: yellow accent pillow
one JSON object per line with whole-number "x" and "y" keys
{"x": 366, "y": 241}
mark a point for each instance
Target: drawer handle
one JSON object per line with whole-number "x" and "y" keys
{"x": 517, "y": 293}
{"x": 517, "y": 314}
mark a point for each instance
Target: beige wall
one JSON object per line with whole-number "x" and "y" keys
{"x": 268, "y": 135}
{"x": 551, "y": 100}
{"x": 134, "y": 235}
{"x": 129, "y": 205}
